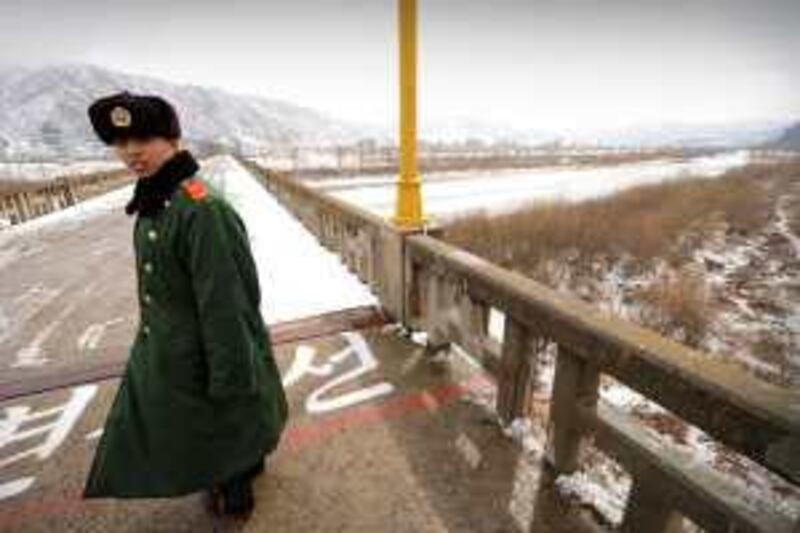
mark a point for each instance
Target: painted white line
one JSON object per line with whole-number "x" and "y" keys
{"x": 91, "y": 337}
{"x": 13, "y": 488}
{"x": 56, "y": 431}
{"x": 303, "y": 365}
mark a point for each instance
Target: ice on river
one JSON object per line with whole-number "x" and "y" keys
{"x": 449, "y": 194}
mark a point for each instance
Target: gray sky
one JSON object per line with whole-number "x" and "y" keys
{"x": 530, "y": 63}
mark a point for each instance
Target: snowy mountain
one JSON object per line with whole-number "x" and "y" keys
{"x": 43, "y": 114}
{"x": 790, "y": 140}
{"x": 729, "y": 135}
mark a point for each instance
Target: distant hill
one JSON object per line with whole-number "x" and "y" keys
{"x": 733, "y": 135}
{"x": 43, "y": 116}
{"x": 790, "y": 140}
{"x": 43, "y": 113}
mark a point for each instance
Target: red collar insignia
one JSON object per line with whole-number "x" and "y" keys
{"x": 195, "y": 188}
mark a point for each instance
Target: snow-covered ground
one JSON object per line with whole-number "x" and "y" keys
{"x": 298, "y": 277}
{"x": 453, "y": 194}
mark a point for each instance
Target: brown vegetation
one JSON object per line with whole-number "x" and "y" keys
{"x": 574, "y": 245}
{"x": 644, "y": 222}
{"x": 677, "y": 306}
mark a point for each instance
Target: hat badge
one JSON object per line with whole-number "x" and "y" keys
{"x": 120, "y": 117}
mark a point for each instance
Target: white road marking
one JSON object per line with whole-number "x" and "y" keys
{"x": 55, "y": 432}
{"x": 94, "y": 434}
{"x": 90, "y": 338}
{"x": 303, "y": 364}
{"x": 17, "y": 486}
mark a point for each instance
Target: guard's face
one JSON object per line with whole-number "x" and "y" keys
{"x": 145, "y": 156}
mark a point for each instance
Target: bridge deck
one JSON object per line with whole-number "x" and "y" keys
{"x": 406, "y": 446}
{"x": 388, "y": 440}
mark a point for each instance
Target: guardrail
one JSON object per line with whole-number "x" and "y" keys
{"x": 22, "y": 201}
{"x": 432, "y": 286}
{"x": 452, "y": 292}
{"x": 370, "y": 247}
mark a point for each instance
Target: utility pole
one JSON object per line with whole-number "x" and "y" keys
{"x": 408, "y": 211}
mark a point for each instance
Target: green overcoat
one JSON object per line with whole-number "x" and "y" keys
{"x": 201, "y": 398}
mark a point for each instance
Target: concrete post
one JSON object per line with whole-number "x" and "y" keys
{"x": 432, "y": 312}
{"x": 516, "y": 376}
{"x": 575, "y": 389}
{"x": 475, "y": 317}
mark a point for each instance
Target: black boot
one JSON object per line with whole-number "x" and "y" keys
{"x": 235, "y": 496}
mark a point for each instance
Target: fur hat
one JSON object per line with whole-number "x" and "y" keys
{"x": 125, "y": 115}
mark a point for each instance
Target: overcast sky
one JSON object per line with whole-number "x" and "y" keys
{"x": 530, "y": 63}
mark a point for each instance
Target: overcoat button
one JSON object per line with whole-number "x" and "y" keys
{"x": 146, "y": 329}
{"x": 147, "y": 298}
{"x": 148, "y": 267}
{"x": 152, "y": 235}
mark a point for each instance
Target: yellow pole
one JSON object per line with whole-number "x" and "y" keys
{"x": 408, "y": 212}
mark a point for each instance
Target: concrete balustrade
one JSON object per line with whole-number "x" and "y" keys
{"x": 21, "y": 201}
{"x": 431, "y": 286}
{"x": 754, "y": 418}
{"x": 515, "y": 377}
{"x": 371, "y": 247}
{"x": 575, "y": 394}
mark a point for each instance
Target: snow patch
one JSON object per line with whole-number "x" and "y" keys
{"x": 298, "y": 277}
{"x": 600, "y": 489}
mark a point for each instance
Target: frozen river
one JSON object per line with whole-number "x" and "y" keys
{"x": 448, "y": 194}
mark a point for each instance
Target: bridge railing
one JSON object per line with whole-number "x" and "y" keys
{"x": 452, "y": 293}
{"x": 449, "y": 293}
{"x": 24, "y": 200}
{"x": 370, "y": 247}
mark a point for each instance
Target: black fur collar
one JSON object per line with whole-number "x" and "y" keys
{"x": 151, "y": 192}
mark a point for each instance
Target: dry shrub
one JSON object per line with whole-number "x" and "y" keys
{"x": 644, "y": 222}
{"x": 677, "y": 307}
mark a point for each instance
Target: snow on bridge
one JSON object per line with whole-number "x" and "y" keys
{"x": 298, "y": 277}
